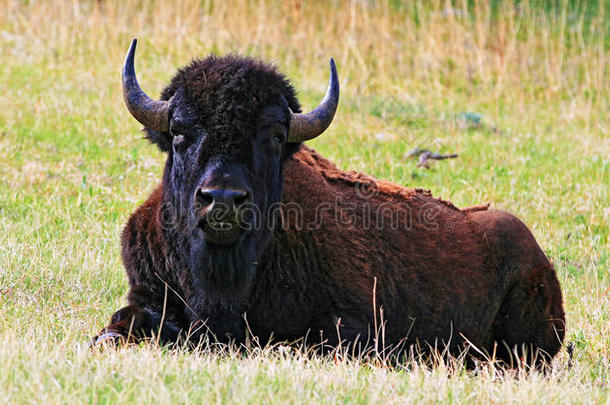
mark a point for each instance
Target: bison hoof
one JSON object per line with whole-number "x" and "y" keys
{"x": 107, "y": 338}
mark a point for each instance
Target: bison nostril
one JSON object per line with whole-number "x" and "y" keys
{"x": 240, "y": 199}
{"x": 205, "y": 197}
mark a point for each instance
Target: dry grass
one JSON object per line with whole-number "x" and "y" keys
{"x": 73, "y": 166}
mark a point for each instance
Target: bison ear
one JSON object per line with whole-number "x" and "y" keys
{"x": 163, "y": 140}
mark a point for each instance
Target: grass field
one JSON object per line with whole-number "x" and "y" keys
{"x": 520, "y": 91}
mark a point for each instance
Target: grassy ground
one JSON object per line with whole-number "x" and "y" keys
{"x": 73, "y": 165}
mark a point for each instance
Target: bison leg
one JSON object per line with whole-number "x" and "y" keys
{"x": 133, "y": 323}
{"x": 530, "y": 325}
{"x": 148, "y": 315}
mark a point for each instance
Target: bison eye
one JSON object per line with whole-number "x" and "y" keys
{"x": 278, "y": 137}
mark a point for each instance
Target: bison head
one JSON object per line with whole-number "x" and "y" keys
{"x": 227, "y": 125}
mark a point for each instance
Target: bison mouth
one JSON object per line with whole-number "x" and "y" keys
{"x": 222, "y": 233}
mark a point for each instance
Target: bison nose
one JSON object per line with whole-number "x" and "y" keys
{"x": 218, "y": 198}
{"x": 220, "y": 217}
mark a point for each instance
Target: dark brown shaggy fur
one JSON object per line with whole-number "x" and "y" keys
{"x": 431, "y": 273}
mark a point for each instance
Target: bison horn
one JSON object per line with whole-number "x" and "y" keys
{"x": 151, "y": 113}
{"x": 309, "y": 125}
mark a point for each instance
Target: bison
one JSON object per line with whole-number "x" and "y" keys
{"x": 253, "y": 234}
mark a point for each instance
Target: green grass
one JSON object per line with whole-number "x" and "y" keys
{"x": 73, "y": 166}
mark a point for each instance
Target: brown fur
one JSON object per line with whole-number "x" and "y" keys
{"x": 347, "y": 259}
{"x": 472, "y": 273}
